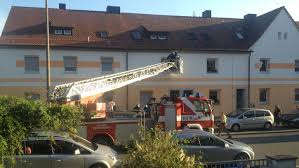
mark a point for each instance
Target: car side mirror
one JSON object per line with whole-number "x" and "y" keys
{"x": 77, "y": 152}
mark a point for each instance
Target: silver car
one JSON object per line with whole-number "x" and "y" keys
{"x": 62, "y": 151}
{"x": 213, "y": 148}
{"x": 249, "y": 118}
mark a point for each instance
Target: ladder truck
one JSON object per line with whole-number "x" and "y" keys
{"x": 111, "y": 130}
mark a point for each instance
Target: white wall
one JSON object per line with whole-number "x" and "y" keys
{"x": 279, "y": 51}
{"x": 8, "y": 67}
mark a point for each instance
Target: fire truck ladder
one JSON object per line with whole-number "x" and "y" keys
{"x": 91, "y": 87}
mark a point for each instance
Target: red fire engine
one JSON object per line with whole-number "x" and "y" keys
{"x": 118, "y": 129}
{"x": 183, "y": 111}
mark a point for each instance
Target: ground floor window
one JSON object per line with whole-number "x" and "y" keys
{"x": 215, "y": 96}
{"x": 264, "y": 95}
{"x": 297, "y": 94}
{"x": 174, "y": 93}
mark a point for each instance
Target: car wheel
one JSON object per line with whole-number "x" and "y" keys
{"x": 268, "y": 125}
{"x": 242, "y": 156}
{"x": 99, "y": 165}
{"x": 235, "y": 128}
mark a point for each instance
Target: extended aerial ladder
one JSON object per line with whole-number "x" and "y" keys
{"x": 79, "y": 90}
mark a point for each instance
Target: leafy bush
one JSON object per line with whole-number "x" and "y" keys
{"x": 19, "y": 117}
{"x": 157, "y": 149}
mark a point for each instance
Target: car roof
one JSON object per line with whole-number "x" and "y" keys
{"x": 193, "y": 132}
{"x": 247, "y": 109}
{"x": 47, "y": 135}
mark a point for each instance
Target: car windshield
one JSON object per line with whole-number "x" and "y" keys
{"x": 85, "y": 142}
{"x": 236, "y": 113}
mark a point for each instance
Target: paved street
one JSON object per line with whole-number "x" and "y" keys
{"x": 285, "y": 142}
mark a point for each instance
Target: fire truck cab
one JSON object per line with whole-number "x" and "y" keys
{"x": 184, "y": 111}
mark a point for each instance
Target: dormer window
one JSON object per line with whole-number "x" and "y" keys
{"x": 239, "y": 36}
{"x": 58, "y": 31}
{"x": 154, "y": 37}
{"x": 136, "y": 35}
{"x": 67, "y": 32}
{"x": 102, "y": 34}
{"x": 158, "y": 35}
{"x": 162, "y": 36}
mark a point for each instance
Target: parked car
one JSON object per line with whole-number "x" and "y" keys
{"x": 249, "y": 118}
{"x": 212, "y": 148}
{"x": 290, "y": 120}
{"x": 64, "y": 151}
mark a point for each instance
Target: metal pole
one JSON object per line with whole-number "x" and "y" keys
{"x": 48, "y": 60}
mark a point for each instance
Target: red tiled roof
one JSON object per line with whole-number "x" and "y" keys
{"x": 26, "y": 26}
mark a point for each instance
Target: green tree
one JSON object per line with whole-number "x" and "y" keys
{"x": 157, "y": 149}
{"x": 19, "y": 117}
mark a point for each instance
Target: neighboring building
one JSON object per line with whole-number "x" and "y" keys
{"x": 216, "y": 52}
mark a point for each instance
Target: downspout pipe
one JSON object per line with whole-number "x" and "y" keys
{"x": 249, "y": 79}
{"x": 127, "y": 87}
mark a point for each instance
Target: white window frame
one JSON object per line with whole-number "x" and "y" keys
{"x": 75, "y": 67}
{"x": 215, "y": 64}
{"x": 267, "y": 90}
{"x": 218, "y": 91}
{"x": 105, "y": 60}
{"x": 31, "y": 69}
{"x": 58, "y": 31}
{"x": 267, "y": 65}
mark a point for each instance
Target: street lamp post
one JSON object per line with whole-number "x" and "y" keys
{"x": 48, "y": 60}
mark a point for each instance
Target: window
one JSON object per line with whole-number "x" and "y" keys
{"x": 212, "y": 65}
{"x": 296, "y": 65}
{"x": 107, "y": 64}
{"x": 259, "y": 113}
{"x": 201, "y": 106}
{"x": 285, "y": 35}
{"x": 32, "y": 96}
{"x": 70, "y": 63}
{"x": 174, "y": 93}
{"x": 67, "y": 32}
{"x": 136, "y": 35}
{"x": 39, "y": 147}
{"x": 162, "y": 36}
{"x": 209, "y": 141}
{"x": 31, "y": 64}
{"x": 279, "y": 35}
{"x": 264, "y": 95}
{"x": 102, "y": 34}
{"x": 297, "y": 94}
{"x": 264, "y": 65}
{"x": 215, "y": 96}
{"x": 153, "y": 37}
{"x": 249, "y": 114}
{"x": 58, "y": 31}
{"x": 187, "y": 93}
{"x": 108, "y": 96}
{"x": 191, "y": 36}
{"x": 67, "y": 148}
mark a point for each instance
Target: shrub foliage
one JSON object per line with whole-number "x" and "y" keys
{"x": 157, "y": 149}
{"x": 19, "y": 117}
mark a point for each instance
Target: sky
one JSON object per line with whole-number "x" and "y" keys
{"x": 220, "y": 8}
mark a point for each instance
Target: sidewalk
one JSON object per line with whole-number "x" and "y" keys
{"x": 262, "y": 131}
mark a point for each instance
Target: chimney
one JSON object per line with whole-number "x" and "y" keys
{"x": 250, "y": 17}
{"x": 62, "y": 6}
{"x": 113, "y": 9}
{"x": 207, "y": 14}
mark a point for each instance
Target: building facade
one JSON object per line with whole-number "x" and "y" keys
{"x": 237, "y": 62}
